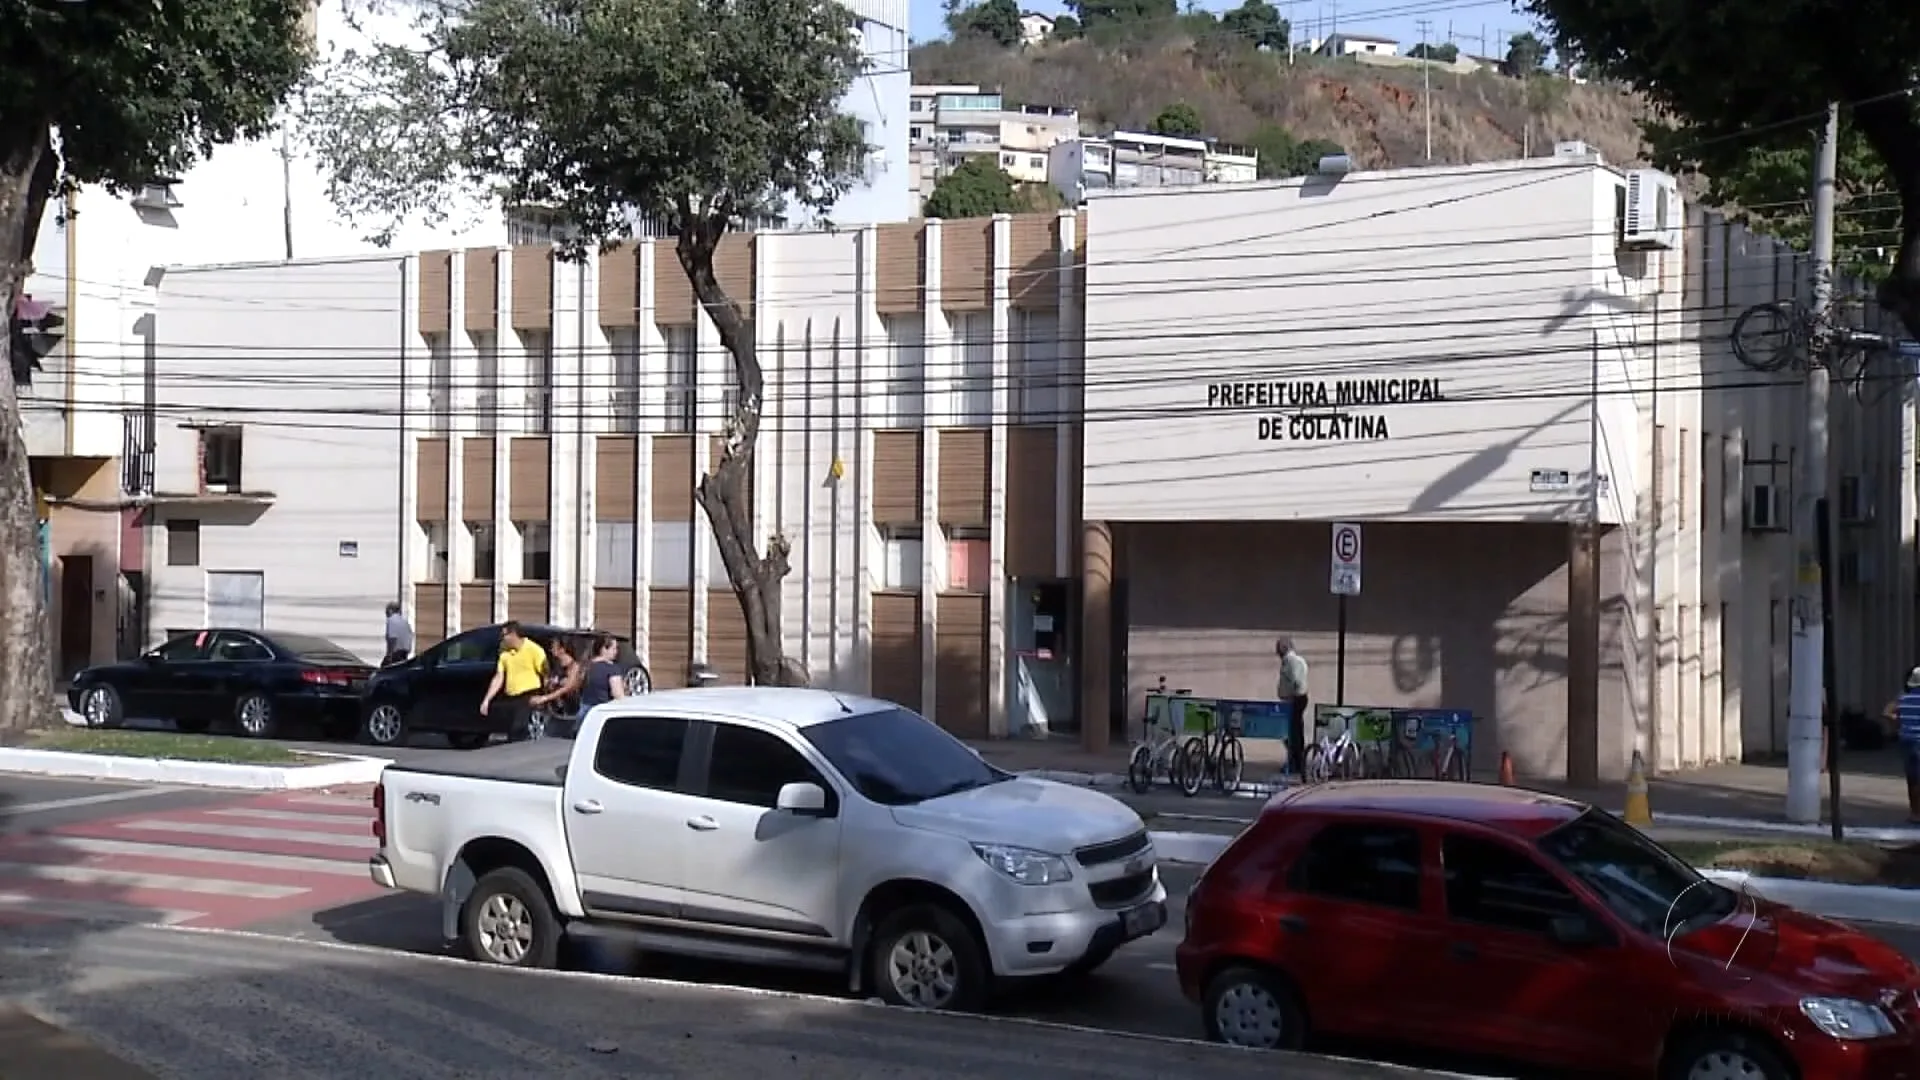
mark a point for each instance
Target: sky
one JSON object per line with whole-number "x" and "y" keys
{"x": 1468, "y": 19}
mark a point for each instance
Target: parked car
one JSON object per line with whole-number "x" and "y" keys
{"x": 1504, "y": 922}
{"x": 260, "y": 680}
{"x": 774, "y": 826}
{"x": 440, "y": 690}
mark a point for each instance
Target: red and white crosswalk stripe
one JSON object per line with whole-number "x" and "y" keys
{"x": 226, "y": 865}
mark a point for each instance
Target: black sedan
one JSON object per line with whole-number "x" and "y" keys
{"x": 441, "y": 689}
{"x": 260, "y": 680}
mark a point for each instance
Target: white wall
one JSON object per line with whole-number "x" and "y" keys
{"x": 1224, "y": 326}
{"x": 307, "y": 359}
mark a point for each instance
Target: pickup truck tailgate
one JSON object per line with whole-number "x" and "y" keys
{"x": 432, "y": 814}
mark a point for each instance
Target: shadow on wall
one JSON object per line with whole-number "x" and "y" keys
{"x": 1462, "y": 478}
{"x": 1458, "y": 616}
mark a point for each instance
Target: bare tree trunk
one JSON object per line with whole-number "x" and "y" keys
{"x": 27, "y": 173}
{"x": 1892, "y": 128}
{"x": 723, "y": 492}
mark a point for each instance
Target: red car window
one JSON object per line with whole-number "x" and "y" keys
{"x": 1492, "y": 884}
{"x": 1363, "y": 863}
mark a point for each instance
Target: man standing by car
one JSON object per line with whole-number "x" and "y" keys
{"x": 1293, "y": 691}
{"x": 399, "y": 635}
{"x": 520, "y": 673}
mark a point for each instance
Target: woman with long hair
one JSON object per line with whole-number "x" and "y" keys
{"x": 602, "y": 682}
{"x": 566, "y": 681}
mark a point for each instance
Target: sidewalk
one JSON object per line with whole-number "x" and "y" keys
{"x": 32, "y": 1049}
{"x": 1873, "y": 792}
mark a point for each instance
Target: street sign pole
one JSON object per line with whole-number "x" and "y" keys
{"x": 1344, "y": 583}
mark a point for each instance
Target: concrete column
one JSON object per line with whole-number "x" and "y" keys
{"x": 1583, "y": 656}
{"x": 1096, "y": 635}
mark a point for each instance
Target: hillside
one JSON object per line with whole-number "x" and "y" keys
{"x": 1374, "y": 112}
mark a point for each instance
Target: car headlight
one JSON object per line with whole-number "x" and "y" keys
{"x": 1844, "y": 1018}
{"x": 1024, "y": 865}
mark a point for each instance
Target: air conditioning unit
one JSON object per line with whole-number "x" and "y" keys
{"x": 1769, "y": 509}
{"x": 1853, "y": 507}
{"x": 1652, "y": 217}
{"x": 156, "y": 195}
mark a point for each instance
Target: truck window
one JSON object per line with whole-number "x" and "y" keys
{"x": 642, "y": 751}
{"x": 750, "y": 766}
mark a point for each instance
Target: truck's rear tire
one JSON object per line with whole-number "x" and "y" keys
{"x": 508, "y": 921}
{"x": 926, "y": 957}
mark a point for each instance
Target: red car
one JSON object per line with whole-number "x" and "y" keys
{"x": 1503, "y": 922}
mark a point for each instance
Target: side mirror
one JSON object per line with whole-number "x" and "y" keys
{"x": 1577, "y": 932}
{"x": 802, "y": 800}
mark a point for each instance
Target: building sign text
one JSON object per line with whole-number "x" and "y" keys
{"x": 1321, "y": 410}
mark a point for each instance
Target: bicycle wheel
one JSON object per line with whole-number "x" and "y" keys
{"x": 1346, "y": 765}
{"x": 1232, "y": 763}
{"x": 1400, "y": 763}
{"x": 1455, "y": 767}
{"x": 1140, "y": 769}
{"x": 1313, "y": 765}
{"x": 1199, "y": 765}
{"x": 1768, "y": 337}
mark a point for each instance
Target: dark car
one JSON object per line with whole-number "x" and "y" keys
{"x": 1501, "y": 922}
{"x": 260, "y": 680}
{"x": 440, "y": 689}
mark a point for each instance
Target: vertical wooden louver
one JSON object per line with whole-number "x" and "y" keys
{"x": 429, "y": 615}
{"x": 1033, "y": 282}
{"x": 900, "y": 268}
{"x": 897, "y": 657}
{"x": 614, "y": 482}
{"x": 727, "y": 637}
{"x": 1032, "y": 506}
{"x": 436, "y": 291}
{"x": 483, "y": 289}
{"x": 672, "y": 292}
{"x": 670, "y": 636}
{"x": 960, "y": 665}
{"x": 529, "y": 479}
{"x": 966, "y": 264}
{"x": 430, "y": 481}
{"x": 476, "y": 480}
{"x": 733, "y": 268}
{"x": 476, "y": 605}
{"x": 966, "y": 467}
{"x": 527, "y": 602}
{"x": 620, "y": 286}
{"x": 532, "y": 287}
{"x": 897, "y": 478}
{"x": 672, "y": 478}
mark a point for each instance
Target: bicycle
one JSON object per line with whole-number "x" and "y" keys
{"x": 1160, "y": 751}
{"x": 1214, "y": 755}
{"x": 1402, "y": 756}
{"x": 1333, "y": 758}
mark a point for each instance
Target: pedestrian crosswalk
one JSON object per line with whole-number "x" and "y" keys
{"x": 225, "y": 865}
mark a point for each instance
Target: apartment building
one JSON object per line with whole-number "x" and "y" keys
{"x": 1128, "y": 159}
{"x": 952, "y": 123}
{"x": 1586, "y": 556}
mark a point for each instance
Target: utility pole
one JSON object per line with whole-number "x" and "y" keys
{"x": 286, "y": 189}
{"x": 1426, "y": 81}
{"x": 1806, "y": 698}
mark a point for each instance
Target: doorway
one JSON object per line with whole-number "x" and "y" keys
{"x": 76, "y": 613}
{"x": 236, "y": 599}
{"x": 1041, "y": 689}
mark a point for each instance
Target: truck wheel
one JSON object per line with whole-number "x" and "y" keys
{"x": 926, "y": 958}
{"x": 508, "y": 921}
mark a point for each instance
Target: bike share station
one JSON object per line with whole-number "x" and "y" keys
{"x": 1347, "y": 742}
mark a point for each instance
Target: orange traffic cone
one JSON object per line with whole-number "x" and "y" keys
{"x": 1506, "y": 768}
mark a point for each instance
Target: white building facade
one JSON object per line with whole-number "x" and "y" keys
{"x": 1533, "y": 416}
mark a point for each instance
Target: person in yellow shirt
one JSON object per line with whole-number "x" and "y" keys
{"x": 520, "y": 674}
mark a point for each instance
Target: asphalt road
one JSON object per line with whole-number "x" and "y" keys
{"x": 28, "y": 803}
{"x": 189, "y": 1005}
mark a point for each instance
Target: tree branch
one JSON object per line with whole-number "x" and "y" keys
{"x": 1891, "y": 127}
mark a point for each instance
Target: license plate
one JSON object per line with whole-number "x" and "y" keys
{"x": 1143, "y": 920}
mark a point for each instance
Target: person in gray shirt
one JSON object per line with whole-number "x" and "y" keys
{"x": 399, "y": 636}
{"x": 1293, "y": 691}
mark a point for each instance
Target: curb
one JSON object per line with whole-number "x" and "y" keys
{"x": 1875, "y": 834}
{"x": 1246, "y": 790}
{"x": 344, "y": 770}
{"x": 1859, "y": 903}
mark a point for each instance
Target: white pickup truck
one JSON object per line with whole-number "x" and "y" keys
{"x": 779, "y": 827}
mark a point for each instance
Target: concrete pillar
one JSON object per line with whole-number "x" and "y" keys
{"x": 1096, "y": 635}
{"x": 1583, "y": 656}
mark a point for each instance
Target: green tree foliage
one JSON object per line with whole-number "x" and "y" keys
{"x": 1282, "y": 155}
{"x": 1753, "y": 80}
{"x": 998, "y": 20}
{"x": 1445, "y": 53}
{"x": 1526, "y": 55}
{"x": 1065, "y": 27}
{"x": 684, "y": 112}
{"x": 1259, "y": 24}
{"x": 1178, "y": 119}
{"x": 977, "y": 187}
{"x": 1096, "y": 15}
{"x": 114, "y": 94}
